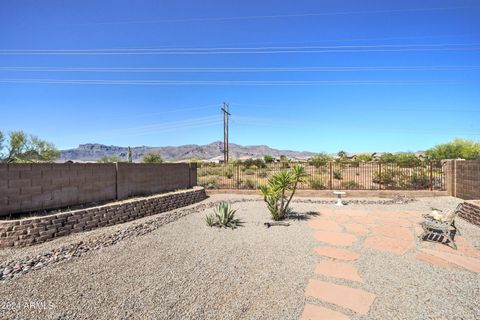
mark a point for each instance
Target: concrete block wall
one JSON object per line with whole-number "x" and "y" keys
{"x": 35, "y": 187}
{"x": 467, "y": 179}
{"x": 143, "y": 179}
{"x": 24, "y": 232}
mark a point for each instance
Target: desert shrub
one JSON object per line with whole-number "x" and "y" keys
{"x": 420, "y": 181}
{"x": 268, "y": 159}
{"x": 202, "y": 172}
{"x": 364, "y": 157}
{"x": 354, "y": 163}
{"x": 210, "y": 183}
{"x": 320, "y": 160}
{"x": 317, "y": 184}
{"x": 275, "y": 193}
{"x": 248, "y": 184}
{"x": 386, "y": 178}
{"x": 152, "y": 157}
{"x": 337, "y": 174}
{"x": 214, "y": 171}
{"x": 350, "y": 184}
{"x": 259, "y": 163}
{"x": 222, "y": 216}
{"x": 228, "y": 172}
{"x": 407, "y": 160}
{"x": 263, "y": 174}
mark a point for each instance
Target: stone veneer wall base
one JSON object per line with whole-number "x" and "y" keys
{"x": 471, "y": 212}
{"x": 25, "y": 232}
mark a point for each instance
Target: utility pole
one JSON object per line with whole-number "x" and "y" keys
{"x": 225, "y": 132}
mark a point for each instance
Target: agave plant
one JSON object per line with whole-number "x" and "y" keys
{"x": 223, "y": 216}
{"x": 280, "y": 189}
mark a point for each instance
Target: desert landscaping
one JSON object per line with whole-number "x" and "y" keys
{"x": 173, "y": 266}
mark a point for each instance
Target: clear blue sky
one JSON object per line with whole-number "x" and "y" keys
{"x": 431, "y": 94}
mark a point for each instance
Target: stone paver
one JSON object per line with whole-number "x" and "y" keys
{"x": 357, "y": 300}
{"x": 392, "y": 231}
{"x": 337, "y": 253}
{"x": 342, "y": 219}
{"x": 468, "y": 263}
{"x": 356, "y": 228}
{"x": 365, "y": 220}
{"x": 422, "y": 256}
{"x": 335, "y": 238}
{"x": 327, "y": 225}
{"x": 396, "y": 246}
{"x": 340, "y": 270}
{"x": 313, "y": 312}
{"x": 397, "y": 222}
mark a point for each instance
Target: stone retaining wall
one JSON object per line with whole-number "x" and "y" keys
{"x": 24, "y": 232}
{"x": 471, "y": 212}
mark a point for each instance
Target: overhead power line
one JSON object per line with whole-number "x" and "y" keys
{"x": 236, "y": 82}
{"x": 249, "y": 50}
{"x": 237, "y": 69}
{"x": 297, "y": 15}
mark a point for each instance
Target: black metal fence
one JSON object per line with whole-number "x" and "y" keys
{"x": 331, "y": 176}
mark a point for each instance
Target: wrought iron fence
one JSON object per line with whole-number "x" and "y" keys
{"x": 330, "y": 176}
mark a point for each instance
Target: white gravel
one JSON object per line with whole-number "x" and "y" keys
{"x": 186, "y": 270}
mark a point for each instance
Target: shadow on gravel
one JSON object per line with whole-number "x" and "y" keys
{"x": 303, "y": 216}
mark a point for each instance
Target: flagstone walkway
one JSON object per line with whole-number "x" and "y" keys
{"x": 340, "y": 230}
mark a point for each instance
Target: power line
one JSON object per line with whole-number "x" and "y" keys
{"x": 298, "y": 15}
{"x": 236, "y": 82}
{"x": 237, "y": 69}
{"x": 249, "y": 50}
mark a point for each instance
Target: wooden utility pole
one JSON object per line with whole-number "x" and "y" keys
{"x": 225, "y": 132}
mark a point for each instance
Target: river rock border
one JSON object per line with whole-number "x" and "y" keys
{"x": 25, "y": 232}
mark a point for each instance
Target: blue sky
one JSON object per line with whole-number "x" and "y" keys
{"x": 381, "y": 75}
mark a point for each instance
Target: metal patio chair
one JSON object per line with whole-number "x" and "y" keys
{"x": 434, "y": 230}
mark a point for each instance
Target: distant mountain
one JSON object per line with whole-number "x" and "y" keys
{"x": 94, "y": 151}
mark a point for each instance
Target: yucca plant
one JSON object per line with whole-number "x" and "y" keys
{"x": 280, "y": 189}
{"x": 223, "y": 216}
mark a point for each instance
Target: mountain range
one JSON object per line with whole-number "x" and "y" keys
{"x": 94, "y": 151}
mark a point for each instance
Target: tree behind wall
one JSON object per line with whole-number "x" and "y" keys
{"x": 152, "y": 157}
{"x": 456, "y": 149}
{"x": 22, "y": 148}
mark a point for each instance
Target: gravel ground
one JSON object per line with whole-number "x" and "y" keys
{"x": 185, "y": 270}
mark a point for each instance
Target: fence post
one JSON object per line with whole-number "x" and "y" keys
{"x": 431, "y": 177}
{"x": 116, "y": 180}
{"x": 331, "y": 176}
{"x": 237, "y": 185}
{"x": 380, "y": 176}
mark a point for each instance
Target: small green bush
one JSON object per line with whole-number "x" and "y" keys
{"x": 320, "y": 160}
{"x": 249, "y": 172}
{"x": 317, "y": 184}
{"x": 350, "y": 185}
{"x": 337, "y": 174}
{"x": 386, "y": 178}
{"x": 228, "y": 172}
{"x": 263, "y": 174}
{"x": 259, "y": 163}
{"x": 210, "y": 183}
{"x": 248, "y": 184}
